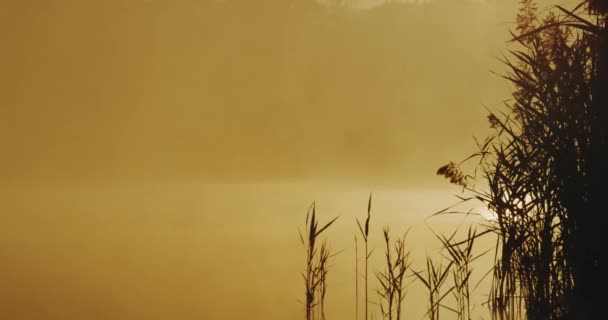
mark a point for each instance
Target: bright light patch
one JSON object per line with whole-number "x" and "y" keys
{"x": 487, "y": 214}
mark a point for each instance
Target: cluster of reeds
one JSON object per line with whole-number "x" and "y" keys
{"x": 434, "y": 279}
{"x": 542, "y": 170}
{"x": 545, "y": 168}
{"x": 393, "y": 289}
{"x": 461, "y": 256}
{"x": 315, "y": 276}
{"x": 535, "y": 182}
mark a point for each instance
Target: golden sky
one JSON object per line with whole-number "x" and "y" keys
{"x": 159, "y": 155}
{"x": 244, "y": 90}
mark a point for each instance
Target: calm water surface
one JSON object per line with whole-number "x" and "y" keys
{"x": 194, "y": 251}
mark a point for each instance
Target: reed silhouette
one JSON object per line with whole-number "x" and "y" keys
{"x": 315, "y": 276}
{"x": 461, "y": 256}
{"x": 365, "y": 235}
{"x": 393, "y": 288}
{"x": 545, "y": 168}
{"x": 541, "y": 171}
{"x": 434, "y": 279}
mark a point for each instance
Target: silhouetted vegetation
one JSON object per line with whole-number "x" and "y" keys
{"x": 392, "y": 286}
{"x": 434, "y": 279}
{"x": 315, "y": 277}
{"x": 544, "y": 168}
{"x": 365, "y": 236}
{"x": 461, "y": 256}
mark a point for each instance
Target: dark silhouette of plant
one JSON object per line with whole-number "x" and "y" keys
{"x": 434, "y": 280}
{"x": 461, "y": 255}
{"x": 315, "y": 277}
{"x": 392, "y": 286}
{"x": 545, "y": 167}
{"x": 365, "y": 235}
{"x": 589, "y": 249}
{"x": 452, "y": 171}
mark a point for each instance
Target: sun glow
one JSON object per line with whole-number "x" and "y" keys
{"x": 487, "y": 214}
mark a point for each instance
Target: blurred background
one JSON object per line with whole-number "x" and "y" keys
{"x": 158, "y": 156}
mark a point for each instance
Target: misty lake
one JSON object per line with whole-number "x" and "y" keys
{"x": 195, "y": 250}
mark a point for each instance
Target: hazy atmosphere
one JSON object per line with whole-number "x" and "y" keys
{"x": 245, "y": 90}
{"x": 159, "y": 156}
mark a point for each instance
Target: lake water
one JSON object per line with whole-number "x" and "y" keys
{"x": 196, "y": 250}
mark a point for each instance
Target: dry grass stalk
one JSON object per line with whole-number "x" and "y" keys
{"x": 315, "y": 277}
{"x": 365, "y": 235}
{"x": 434, "y": 281}
{"x": 392, "y": 286}
{"x": 461, "y": 255}
{"x": 543, "y": 170}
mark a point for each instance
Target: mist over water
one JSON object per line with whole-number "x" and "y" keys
{"x": 159, "y": 156}
{"x": 192, "y": 251}
{"x": 245, "y": 90}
